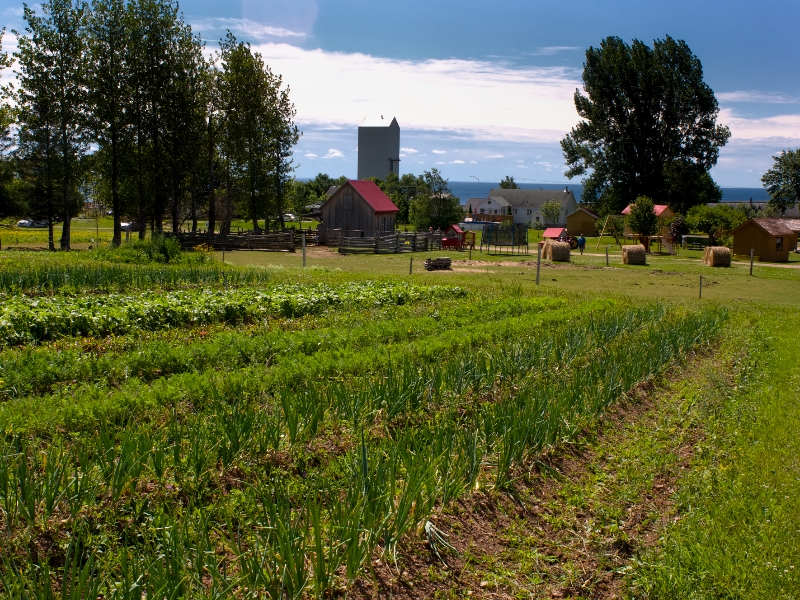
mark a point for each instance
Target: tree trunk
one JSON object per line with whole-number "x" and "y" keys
{"x": 194, "y": 208}
{"x": 212, "y": 200}
{"x": 115, "y": 207}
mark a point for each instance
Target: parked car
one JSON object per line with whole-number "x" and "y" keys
{"x": 24, "y": 223}
{"x": 132, "y": 226}
{"x": 40, "y": 223}
{"x": 289, "y": 217}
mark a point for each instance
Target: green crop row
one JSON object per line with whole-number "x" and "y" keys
{"x": 207, "y": 503}
{"x": 26, "y": 320}
{"x": 40, "y": 369}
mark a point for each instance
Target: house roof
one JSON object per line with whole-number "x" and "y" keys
{"x": 369, "y": 191}
{"x": 774, "y": 227}
{"x": 658, "y": 209}
{"x": 587, "y": 211}
{"x": 332, "y": 190}
{"x": 529, "y": 198}
{"x": 553, "y": 232}
{"x": 379, "y": 121}
{"x": 455, "y": 228}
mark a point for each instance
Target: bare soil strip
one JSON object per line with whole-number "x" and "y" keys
{"x": 576, "y": 518}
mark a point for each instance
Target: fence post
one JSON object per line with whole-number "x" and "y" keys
{"x": 752, "y": 251}
{"x": 397, "y": 243}
{"x": 303, "y": 242}
{"x": 701, "y": 286}
{"x": 411, "y": 265}
{"x": 538, "y": 261}
{"x": 606, "y": 254}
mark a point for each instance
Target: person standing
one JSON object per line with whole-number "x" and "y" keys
{"x": 581, "y": 243}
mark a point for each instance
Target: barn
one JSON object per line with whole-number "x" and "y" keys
{"x": 357, "y": 206}
{"x": 582, "y": 222}
{"x": 770, "y": 239}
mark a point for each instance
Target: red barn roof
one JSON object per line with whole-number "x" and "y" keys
{"x": 658, "y": 209}
{"x": 553, "y": 232}
{"x": 369, "y": 191}
{"x": 455, "y": 228}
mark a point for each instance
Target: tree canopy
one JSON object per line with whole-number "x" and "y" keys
{"x": 782, "y": 181}
{"x": 642, "y": 219}
{"x": 551, "y": 211}
{"x": 508, "y": 183}
{"x": 715, "y": 221}
{"x": 434, "y": 206}
{"x": 648, "y": 127}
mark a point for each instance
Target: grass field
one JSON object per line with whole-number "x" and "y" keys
{"x": 259, "y": 429}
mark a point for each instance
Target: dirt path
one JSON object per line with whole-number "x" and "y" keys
{"x": 576, "y": 517}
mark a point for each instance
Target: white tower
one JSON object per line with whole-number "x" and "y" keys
{"x": 378, "y": 147}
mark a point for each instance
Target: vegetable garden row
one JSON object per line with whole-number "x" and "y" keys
{"x": 278, "y": 459}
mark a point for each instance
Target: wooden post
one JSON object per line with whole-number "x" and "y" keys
{"x": 411, "y": 265}
{"x": 538, "y": 261}
{"x": 223, "y": 251}
{"x": 303, "y": 242}
{"x": 701, "y": 286}
{"x": 752, "y": 251}
{"x": 607, "y": 255}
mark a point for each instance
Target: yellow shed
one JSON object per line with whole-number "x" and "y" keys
{"x": 770, "y": 239}
{"x": 582, "y": 222}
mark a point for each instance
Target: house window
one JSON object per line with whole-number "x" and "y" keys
{"x": 779, "y": 243}
{"x": 495, "y": 211}
{"x": 483, "y": 210}
{"x": 530, "y": 211}
{"x": 515, "y": 211}
{"x": 537, "y": 219}
{"x": 488, "y": 202}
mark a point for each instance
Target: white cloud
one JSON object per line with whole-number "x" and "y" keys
{"x": 310, "y": 155}
{"x": 498, "y": 102}
{"x": 334, "y": 153}
{"x": 785, "y": 127}
{"x": 441, "y": 163}
{"x": 472, "y": 162}
{"x": 757, "y": 97}
{"x": 457, "y": 162}
{"x": 551, "y": 50}
{"x": 409, "y": 150}
{"x": 522, "y": 167}
{"x": 519, "y": 161}
{"x": 440, "y": 151}
{"x": 245, "y": 28}
{"x": 496, "y": 156}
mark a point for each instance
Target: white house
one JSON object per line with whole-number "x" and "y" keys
{"x": 525, "y": 205}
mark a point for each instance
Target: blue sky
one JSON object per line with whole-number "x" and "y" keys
{"x": 485, "y": 88}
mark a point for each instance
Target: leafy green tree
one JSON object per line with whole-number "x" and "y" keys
{"x": 9, "y": 205}
{"x": 436, "y": 207}
{"x": 715, "y": 221}
{"x": 52, "y": 98}
{"x": 551, "y": 211}
{"x": 508, "y": 183}
{"x": 782, "y": 181}
{"x": 642, "y": 219}
{"x": 648, "y": 126}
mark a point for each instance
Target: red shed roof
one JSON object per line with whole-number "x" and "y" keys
{"x": 553, "y": 232}
{"x": 369, "y": 191}
{"x": 455, "y": 228}
{"x": 658, "y": 209}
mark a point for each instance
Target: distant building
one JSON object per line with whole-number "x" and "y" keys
{"x": 358, "y": 207}
{"x": 378, "y": 148}
{"x": 524, "y": 205}
{"x": 771, "y": 240}
{"x": 582, "y": 222}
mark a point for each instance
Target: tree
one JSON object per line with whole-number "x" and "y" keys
{"x": 52, "y": 97}
{"x": 783, "y": 180}
{"x": 8, "y": 199}
{"x": 642, "y": 219}
{"x": 435, "y": 207}
{"x": 714, "y": 221}
{"x": 508, "y": 183}
{"x": 551, "y": 211}
{"x": 649, "y": 127}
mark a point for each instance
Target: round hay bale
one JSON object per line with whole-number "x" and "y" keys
{"x": 557, "y": 251}
{"x": 634, "y": 255}
{"x": 717, "y": 256}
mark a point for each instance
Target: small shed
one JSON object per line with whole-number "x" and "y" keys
{"x": 582, "y": 222}
{"x": 358, "y": 206}
{"x": 770, "y": 239}
{"x": 554, "y": 233}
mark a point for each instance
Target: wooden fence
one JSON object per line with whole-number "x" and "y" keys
{"x": 275, "y": 242}
{"x": 351, "y": 242}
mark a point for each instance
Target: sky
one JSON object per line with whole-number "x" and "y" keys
{"x": 484, "y": 89}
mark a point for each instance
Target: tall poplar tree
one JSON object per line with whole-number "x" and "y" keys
{"x": 52, "y": 98}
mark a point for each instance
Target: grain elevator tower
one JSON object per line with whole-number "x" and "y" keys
{"x": 378, "y": 147}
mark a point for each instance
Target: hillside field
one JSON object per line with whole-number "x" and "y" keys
{"x": 256, "y": 429}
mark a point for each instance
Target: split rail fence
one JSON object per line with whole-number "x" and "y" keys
{"x": 353, "y": 242}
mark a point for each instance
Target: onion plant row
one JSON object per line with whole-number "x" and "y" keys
{"x": 232, "y": 500}
{"x": 27, "y": 320}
